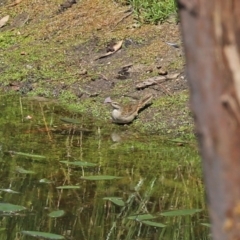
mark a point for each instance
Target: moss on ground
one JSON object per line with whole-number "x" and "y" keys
{"x": 53, "y": 55}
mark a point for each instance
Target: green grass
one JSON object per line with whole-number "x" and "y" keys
{"x": 153, "y": 11}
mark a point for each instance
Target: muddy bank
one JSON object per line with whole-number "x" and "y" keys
{"x": 54, "y": 51}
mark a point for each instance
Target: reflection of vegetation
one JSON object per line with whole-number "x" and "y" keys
{"x": 156, "y": 176}
{"x": 137, "y": 218}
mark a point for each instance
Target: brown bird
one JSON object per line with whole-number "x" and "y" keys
{"x": 127, "y": 113}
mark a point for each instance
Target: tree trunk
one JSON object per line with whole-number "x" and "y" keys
{"x": 211, "y": 35}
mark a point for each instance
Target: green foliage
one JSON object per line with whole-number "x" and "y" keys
{"x": 24, "y": 59}
{"x": 115, "y": 200}
{"x": 56, "y": 214}
{"x": 153, "y": 11}
{"x": 27, "y": 155}
{"x": 7, "y": 39}
{"x": 8, "y": 207}
{"x": 182, "y": 212}
{"x": 68, "y": 187}
{"x": 80, "y": 164}
{"x": 45, "y": 235}
{"x": 41, "y": 91}
{"x": 108, "y": 186}
{"x": 100, "y": 177}
{"x": 67, "y": 96}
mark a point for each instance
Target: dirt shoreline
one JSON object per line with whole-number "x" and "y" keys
{"x": 55, "y": 54}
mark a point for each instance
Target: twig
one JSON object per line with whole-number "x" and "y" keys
{"x": 124, "y": 17}
{"x": 14, "y": 3}
{"x": 156, "y": 80}
{"x": 45, "y": 123}
{"x": 164, "y": 89}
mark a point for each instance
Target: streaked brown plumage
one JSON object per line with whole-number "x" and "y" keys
{"x": 127, "y": 113}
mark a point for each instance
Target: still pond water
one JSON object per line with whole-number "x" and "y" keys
{"x": 81, "y": 181}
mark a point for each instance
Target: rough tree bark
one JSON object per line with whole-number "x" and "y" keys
{"x": 211, "y": 35}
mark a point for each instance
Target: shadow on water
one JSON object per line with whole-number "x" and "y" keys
{"x": 139, "y": 187}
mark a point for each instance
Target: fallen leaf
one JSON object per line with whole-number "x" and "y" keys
{"x": 107, "y": 100}
{"x": 115, "y": 48}
{"x": 28, "y": 117}
{"x": 150, "y": 81}
{"x": 175, "y": 45}
{"x": 83, "y": 71}
{"x": 173, "y": 76}
{"x": 4, "y": 20}
{"x": 162, "y": 72}
{"x": 118, "y": 45}
{"x": 105, "y": 55}
{"x": 15, "y": 88}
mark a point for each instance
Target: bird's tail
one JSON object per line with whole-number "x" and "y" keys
{"x": 145, "y": 100}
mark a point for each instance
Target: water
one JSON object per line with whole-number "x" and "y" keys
{"x": 156, "y": 176}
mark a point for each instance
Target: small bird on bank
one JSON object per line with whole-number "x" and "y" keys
{"x": 127, "y": 113}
